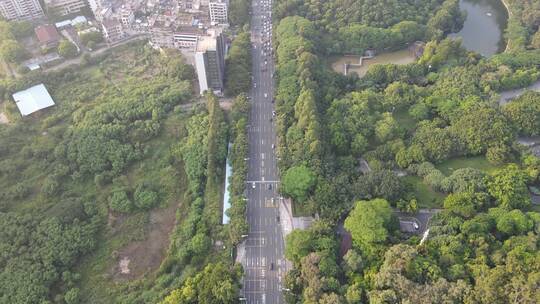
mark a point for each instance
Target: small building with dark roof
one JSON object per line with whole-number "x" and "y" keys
{"x": 47, "y": 36}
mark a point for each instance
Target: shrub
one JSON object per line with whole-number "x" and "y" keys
{"x": 120, "y": 202}
{"x": 145, "y": 198}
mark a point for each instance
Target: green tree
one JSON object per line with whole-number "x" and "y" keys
{"x": 21, "y": 29}
{"x": 369, "y": 222}
{"x": 119, "y": 201}
{"x": 72, "y": 296}
{"x": 67, "y": 49}
{"x": 238, "y": 65}
{"x": 216, "y": 283}
{"x": 509, "y": 187}
{"x": 239, "y": 12}
{"x": 464, "y": 204}
{"x": 386, "y": 128}
{"x": 524, "y": 113}
{"x": 93, "y": 37}
{"x": 12, "y": 51}
{"x": 297, "y": 182}
{"x": 145, "y": 198}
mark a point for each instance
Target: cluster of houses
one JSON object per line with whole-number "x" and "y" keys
{"x": 195, "y": 27}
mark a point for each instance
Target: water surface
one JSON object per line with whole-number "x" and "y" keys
{"x": 398, "y": 57}
{"x": 484, "y": 27}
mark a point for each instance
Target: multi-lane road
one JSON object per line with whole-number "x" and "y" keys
{"x": 264, "y": 262}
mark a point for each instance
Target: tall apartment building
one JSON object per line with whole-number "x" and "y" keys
{"x": 20, "y": 9}
{"x": 65, "y": 7}
{"x": 210, "y": 63}
{"x": 94, "y": 5}
{"x": 218, "y": 12}
{"x": 112, "y": 30}
{"x": 127, "y": 16}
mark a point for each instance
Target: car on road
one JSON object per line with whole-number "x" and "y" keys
{"x": 265, "y": 95}
{"x": 273, "y": 146}
{"x": 272, "y": 266}
{"x": 277, "y": 219}
{"x": 253, "y": 185}
{"x": 269, "y": 187}
{"x": 273, "y": 113}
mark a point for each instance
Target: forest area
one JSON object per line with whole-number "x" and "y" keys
{"x": 84, "y": 181}
{"x": 434, "y": 136}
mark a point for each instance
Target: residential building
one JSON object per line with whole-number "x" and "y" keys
{"x": 180, "y": 38}
{"x": 161, "y": 37}
{"x": 127, "y": 16}
{"x": 218, "y": 12}
{"x": 210, "y": 63}
{"x": 112, "y": 30}
{"x": 186, "y": 39}
{"x": 47, "y": 36}
{"x": 94, "y": 5}
{"x": 20, "y": 9}
{"x": 65, "y": 7}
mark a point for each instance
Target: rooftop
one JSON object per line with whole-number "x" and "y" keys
{"x": 110, "y": 23}
{"x": 47, "y": 33}
{"x": 33, "y": 99}
{"x": 206, "y": 43}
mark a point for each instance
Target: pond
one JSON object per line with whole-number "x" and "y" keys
{"x": 484, "y": 26}
{"x": 398, "y": 57}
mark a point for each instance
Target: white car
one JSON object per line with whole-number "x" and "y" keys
{"x": 265, "y": 95}
{"x": 253, "y": 185}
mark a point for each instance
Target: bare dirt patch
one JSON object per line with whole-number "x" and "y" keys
{"x": 145, "y": 256}
{"x": 3, "y": 118}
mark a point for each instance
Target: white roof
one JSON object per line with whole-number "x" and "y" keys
{"x": 62, "y": 23}
{"x": 33, "y": 99}
{"x": 78, "y": 20}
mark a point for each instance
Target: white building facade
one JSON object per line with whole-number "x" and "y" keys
{"x": 20, "y": 9}
{"x": 65, "y": 7}
{"x": 218, "y": 12}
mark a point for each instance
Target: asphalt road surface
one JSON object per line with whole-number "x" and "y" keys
{"x": 264, "y": 263}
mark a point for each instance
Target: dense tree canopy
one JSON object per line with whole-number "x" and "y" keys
{"x": 216, "y": 284}
{"x": 369, "y": 222}
{"x": 238, "y": 66}
{"x": 67, "y": 49}
{"x": 297, "y": 183}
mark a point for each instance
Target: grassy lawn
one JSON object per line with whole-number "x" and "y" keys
{"x": 427, "y": 197}
{"x": 476, "y": 162}
{"x": 404, "y": 120}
